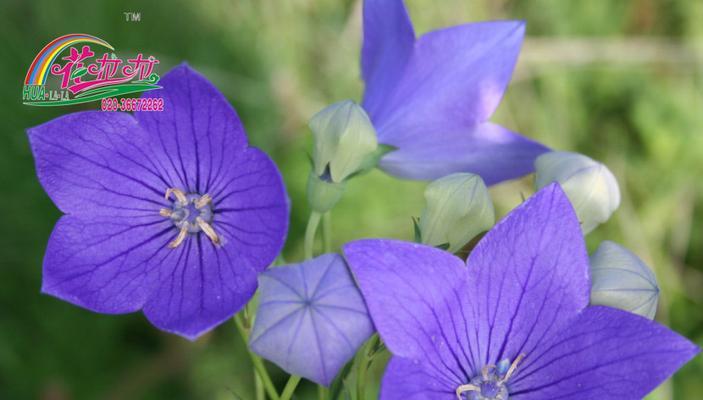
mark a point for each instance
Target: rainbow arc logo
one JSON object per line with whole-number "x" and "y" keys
{"x": 68, "y": 71}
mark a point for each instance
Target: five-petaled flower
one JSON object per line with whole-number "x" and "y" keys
{"x": 513, "y": 322}
{"x": 431, "y": 97}
{"x": 171, "y": 212}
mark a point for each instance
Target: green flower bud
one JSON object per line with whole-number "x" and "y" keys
{"x": 589, "y": 185}
{"x": 344, "y": 140}
{"x": 620, "y": 279}
{"x": 458, "y": 207}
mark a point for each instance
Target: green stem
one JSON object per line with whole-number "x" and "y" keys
{"x": 310, "y": 231}
{"x": 327, "y": 231}
{"x": 290, "y": 387}
{"x": 322, "y": 392}
{"x": 259, "y": 387}
{"x": 260, "y": 369}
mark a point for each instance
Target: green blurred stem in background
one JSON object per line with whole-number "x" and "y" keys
{"x": 259, "y": 387}
{"x": 290, "y": 387}
{"x": 243, "y": 326}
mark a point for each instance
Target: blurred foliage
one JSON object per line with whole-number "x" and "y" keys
{"x": 279, "y": 62}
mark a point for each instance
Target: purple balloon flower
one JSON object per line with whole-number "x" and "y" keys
{"x": 167, "y": 212}
{"x": 311, "y": 319}
{"x": 514, "y": 322}
{"x": 431, "y": 97}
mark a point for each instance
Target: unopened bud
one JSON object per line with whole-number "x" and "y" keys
{"x": 458, "y": 207}
{"x": 344, "y": 140}
{"x": 589, "y": 185}
{"x": 620, "y": 279}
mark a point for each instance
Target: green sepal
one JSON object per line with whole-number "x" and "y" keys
{"x": 443, "y": 246}
{"x": 323, "y": 194}
{"x": 338, "y": 383}
{"x": 371, "y": 161}
{"x": 416, "y": 228}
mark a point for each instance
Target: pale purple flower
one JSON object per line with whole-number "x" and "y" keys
{"x": 311, "y": 319}
{"x": 431, "y": 97}
{"x": 171, "y": 212}
{"x": 514, "y": 322}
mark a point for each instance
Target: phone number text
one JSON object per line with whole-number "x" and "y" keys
{"x": 132, "y": 104}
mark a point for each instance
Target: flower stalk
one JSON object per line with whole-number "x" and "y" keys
{"x": 243, "y": 327}
{"x": 289, "y": 389}
{"x": 327, "y": 232}
{"x": 310, "y": 231}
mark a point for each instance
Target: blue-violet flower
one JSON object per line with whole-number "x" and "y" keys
{"x": 431, "y": 97}
{"x": 171, "y": 212}
{"x": 513, "y": 322}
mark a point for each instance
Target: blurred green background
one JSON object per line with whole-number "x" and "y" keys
{"x": 617, "y": 80}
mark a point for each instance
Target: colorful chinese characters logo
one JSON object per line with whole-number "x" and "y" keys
{"x": 82, "y": 75}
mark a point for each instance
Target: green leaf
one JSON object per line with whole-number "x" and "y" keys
{"x": 79, "y": 72}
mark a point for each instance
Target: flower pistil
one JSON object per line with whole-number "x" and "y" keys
{"x": 191, "y": 213}
{"x": 490, "y": 384}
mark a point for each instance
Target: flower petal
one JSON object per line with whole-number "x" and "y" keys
{"x": 387, "y": 46}
{"x": 102, "y": 263}
{"x": 98, "y": 163}
{"x": 197, "y": 131}
{"x": 605, "y": 353}
{"x": 486, "y": 149}
{"x": 407, "y": 380}
{"x": 412, "y": 291}
{"x": 454, "y": 79}
{"x": 200, "y": 287}
{"x": 527, "y": 277}
{"x": 311, "y": 319}
{"x": 251, "y": 208}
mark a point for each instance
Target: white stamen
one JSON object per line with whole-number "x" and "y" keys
{"x": 178, "y": 193}
{"x": 179, "y": 239}
{"x": 485, "y": 370}
{"x": 208, "y": 230}
{"x": 466, "y": 388}
{"x": 492, "y": 377}
{"x": 512, "y": 368}
{"x": 203, "y": 201}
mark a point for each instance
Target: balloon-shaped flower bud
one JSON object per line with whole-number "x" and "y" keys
{"x": 458, "y": 207}
{"x": 591, "y": 187}
{"x": 345, "y": 144}
{"x": 344, "y": 140}
{"x": 620, "y": 279}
